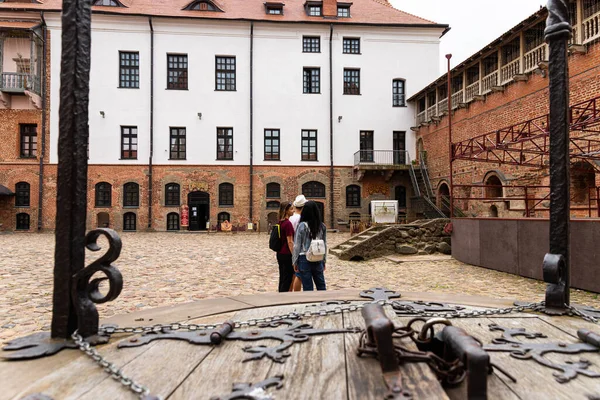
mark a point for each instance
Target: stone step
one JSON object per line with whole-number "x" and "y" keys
{"x": 355, "y": 241}
{"x": 345, "y": 246}
{"x": 364, "y": 237}
{"x": 336, "y": 252}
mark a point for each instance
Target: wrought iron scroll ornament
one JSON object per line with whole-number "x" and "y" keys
{"x": 509, "y": 342}
{"x": 556, "y": 262}
{"x": 86, "y": 292}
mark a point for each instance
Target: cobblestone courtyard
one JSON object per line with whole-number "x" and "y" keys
{"x": 162, "y": 269}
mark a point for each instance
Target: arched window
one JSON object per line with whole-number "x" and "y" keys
{"x": 353, "y": 196}
{"x": 172, "y": 221}
{"x": 103, "y": 194}
{"x": 202, "y": 5}
{"x": 398, "y": 91}
{"x": 273, "y": 190}
{"x": 222, "y": 217}
{"x": 313, "y": 189}
{"x": 129, "y": 221}
{"x": 225, "y": 194}
{"x": 273, "y": 205}
{"x": 22, "y": 221}
{"x": 22, "y": 194}
{"x": 493, "y": 187}
{"x": 172, "y": 197}
{"x": 131, "y": 195}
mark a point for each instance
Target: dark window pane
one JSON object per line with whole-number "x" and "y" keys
{"x": 129, "y": 222}
{"x": 129, "y": 140}
{"x": 129, "y": 69}
{"x": 312, "y": 80}
{"x": 311, "y": 44}
{"x": 398, "y": 98}
{"x": 22, "y": 194}
{"x": 28, "y": 140}
{"x": 224, "y": 143}
{"x": 225, "y": 194}
{"x": 273, "y": 190}
{"x": 309, "y": 145}
{"x": 172, "y": 196}
{"x": 353, "y": 196}
{"x": 351, "y": 46}
{"x": 172, "y": 222}
{"x": 177, "y": 71}
{"x": 22, "y": 221}
{"x": 313, "y": 189}
{"x": 351, "y": 81}
{"x": 103, "y": 194}
{"x": 177, "y": 144}
{"x": 225, "y": 73}
{"x": 131, "y": 195}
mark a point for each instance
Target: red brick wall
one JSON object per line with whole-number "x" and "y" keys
{"x": 519, "y": 102}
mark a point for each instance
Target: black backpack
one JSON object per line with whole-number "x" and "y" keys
{"x": 275, "y": 243}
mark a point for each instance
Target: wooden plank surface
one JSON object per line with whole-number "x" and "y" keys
{"x": 161, "y": 369}
{"x": 312, "y": 370}
{"x": 365, "y": 379}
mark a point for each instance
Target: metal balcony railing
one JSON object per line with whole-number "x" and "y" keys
{"x": 381, "y": 157}
{"x": 19, "y": 82}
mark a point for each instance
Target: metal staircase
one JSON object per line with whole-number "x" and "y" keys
{"x": 424, "y": 198}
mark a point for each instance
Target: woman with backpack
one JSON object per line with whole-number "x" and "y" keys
{"x": 284, "y": 254}
{"x": 310, "y": 248}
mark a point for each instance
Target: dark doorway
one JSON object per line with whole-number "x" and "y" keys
{"x": 366, "y": 146}
{"x": 400, "y": 196}
{"x": 399, "y": 148}
{"x": 199, "y": 206}
{"x": 444, "y": 198}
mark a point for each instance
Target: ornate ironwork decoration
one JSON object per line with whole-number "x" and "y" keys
{"x": 253, "y": 391}
{"x": 380, "y": 294}
{"x": 86, "y": 292}
{"x": 417, "y": 306}
{"x": 510, "y": 343}
{"x": 295, "y": 332}
{"x": 556, "y": 263}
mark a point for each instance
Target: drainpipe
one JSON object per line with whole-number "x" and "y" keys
{"x": 331, "y": 123}
{"x": 43, "y": 152}
{"x": 151, "y": 123}
{"x": 450, "y": 157}
{"x": 251, "y": 115}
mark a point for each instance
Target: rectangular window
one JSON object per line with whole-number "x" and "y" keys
{"x": 399, "y": 147}
{"x": 351, "y": 81}
{"x": 28, "y": 139}
{"x": 275, "y": 10}
{"x": 343, "y": 12}
{"x": 129, "y": 69}
{"x": 366, "y": 146}
{"x": 177, "y": 144}
{"x": 225, "y": 73}
{"x": 351, "y": 46}
{"x": 309, "y": 145}
{"x": 129, "y": 142}
{"x": 224, "y": 143}
{"x": 272, "y": 144}
{"x": 311, "y": 44}
{"x": 312, "y": 80}
{"x": 398, "y": 98}
{"x": 314, "y": 11}
{"x": 177, "y": 71}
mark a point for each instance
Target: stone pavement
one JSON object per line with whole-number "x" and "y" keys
{"x": 162, "y": 269}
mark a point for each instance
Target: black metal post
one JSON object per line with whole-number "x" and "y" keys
{"x": 71, "y": 199}
{"x": 556, "y": 263}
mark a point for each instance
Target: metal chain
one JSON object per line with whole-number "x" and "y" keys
{"x": 143, "y": 392}
{"x": 140, "y": 390}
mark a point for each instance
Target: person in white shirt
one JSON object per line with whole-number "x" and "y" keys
{"x": 298, "y": 204}
{"x": 295, "y": 220}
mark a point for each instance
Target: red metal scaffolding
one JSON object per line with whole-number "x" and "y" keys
{"x": 527, "y": 143}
